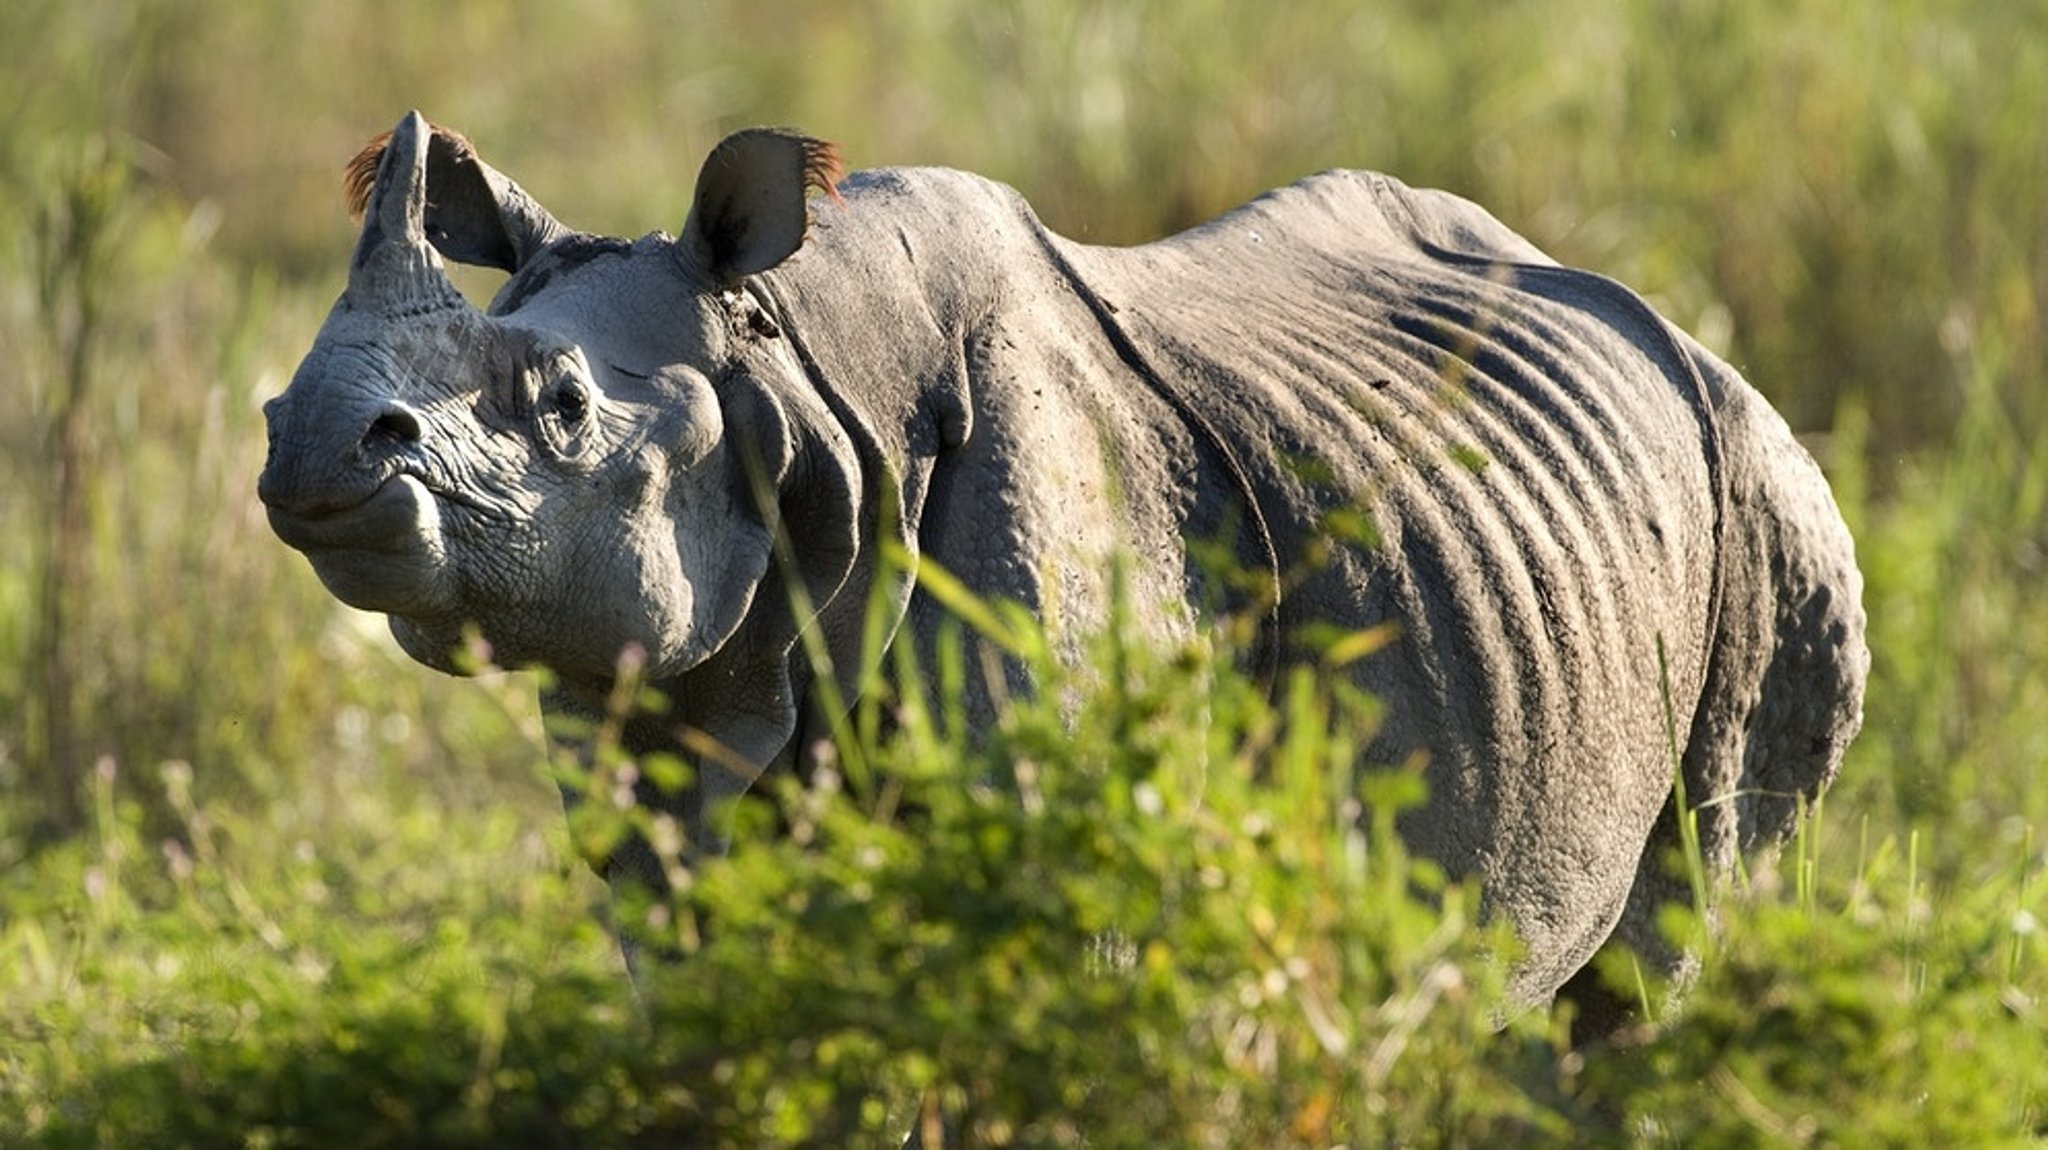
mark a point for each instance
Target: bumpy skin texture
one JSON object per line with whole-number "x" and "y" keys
{"x": 1587, "y": 529}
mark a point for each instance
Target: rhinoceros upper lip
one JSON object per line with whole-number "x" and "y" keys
{"x": 383, "y": 520}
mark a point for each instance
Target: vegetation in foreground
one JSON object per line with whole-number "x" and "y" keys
{"x": 262, "y": 882}
{"x": 1156, "y": 909}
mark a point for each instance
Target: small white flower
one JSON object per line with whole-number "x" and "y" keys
{"x": 177, "y": 859}
{"x": 1148, "y": 800}
{"x": 665, "y": 834}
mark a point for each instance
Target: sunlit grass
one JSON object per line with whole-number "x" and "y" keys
{"x": 1151, "y": 907}
{"x": 290, "y": 846}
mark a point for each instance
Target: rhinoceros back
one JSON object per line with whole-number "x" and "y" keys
{"x": 1538, "y": 471}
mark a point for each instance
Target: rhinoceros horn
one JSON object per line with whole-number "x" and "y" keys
{"x": 395, "y": 271}
{"x": 471, "y": 212}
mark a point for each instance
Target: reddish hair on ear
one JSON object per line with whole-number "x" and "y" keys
{"x": 360, "y": 177}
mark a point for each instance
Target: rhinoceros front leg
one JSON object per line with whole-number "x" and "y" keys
{"x": 577, "y": 729}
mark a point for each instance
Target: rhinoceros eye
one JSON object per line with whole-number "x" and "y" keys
{"x": 563, "y": 411}
{"x": 570, "y": 401}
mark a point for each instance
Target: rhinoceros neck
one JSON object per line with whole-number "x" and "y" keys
{"x": 887, "y": 291}
{"x": 882, "y": 305}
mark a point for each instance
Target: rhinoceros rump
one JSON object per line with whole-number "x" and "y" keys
{"x": 1576, "y": 511}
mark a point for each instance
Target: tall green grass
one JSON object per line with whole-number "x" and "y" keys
{"x": 1151, "y": 907}
{"x": 238, "y": 830}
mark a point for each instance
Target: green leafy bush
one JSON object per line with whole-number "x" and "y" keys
{"x": 1880, "y": 1019}
{"x": 1151, "y": 908}
{"x": 1148, "y": 910}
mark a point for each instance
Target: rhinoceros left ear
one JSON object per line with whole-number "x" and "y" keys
{"x": 474, "y": 215}
{"x": 749, "y": 212}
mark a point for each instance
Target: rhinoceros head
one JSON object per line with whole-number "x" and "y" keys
{"x": 598, "y": 462}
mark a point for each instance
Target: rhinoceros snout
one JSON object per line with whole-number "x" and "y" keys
{"x": 320, "y": 465}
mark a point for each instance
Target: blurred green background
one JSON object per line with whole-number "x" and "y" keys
{"x": 1844, "y": 198}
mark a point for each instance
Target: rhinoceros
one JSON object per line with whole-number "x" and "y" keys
{"x": 1394, "y": 412}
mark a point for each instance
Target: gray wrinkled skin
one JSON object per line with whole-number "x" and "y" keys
{"x": 1560, "y": 485}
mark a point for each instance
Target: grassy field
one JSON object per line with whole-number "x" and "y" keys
{"x": 264, "y": 882}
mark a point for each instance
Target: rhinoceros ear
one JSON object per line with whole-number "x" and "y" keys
{"x": 474, "y": 215}
{"x": 749, "y": 212}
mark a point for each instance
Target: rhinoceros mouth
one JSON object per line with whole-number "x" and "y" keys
{"x": 387, "y": 519}
{"x": 382, "y": 553}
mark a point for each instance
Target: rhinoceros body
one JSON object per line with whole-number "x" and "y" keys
{"x": 1585, "y": 530}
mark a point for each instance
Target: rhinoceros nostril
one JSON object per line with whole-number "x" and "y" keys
{"x": 396, "y": 424}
